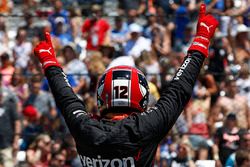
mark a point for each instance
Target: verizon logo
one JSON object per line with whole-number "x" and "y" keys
{"x": 182, "y": 68}
{"x": 100, "y": 162}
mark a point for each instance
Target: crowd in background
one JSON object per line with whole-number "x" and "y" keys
{"x": 90, "y": 36}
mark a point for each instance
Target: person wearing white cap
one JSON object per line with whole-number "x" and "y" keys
{"x": 242, "y": 44}
{"x": 137, "y": 43}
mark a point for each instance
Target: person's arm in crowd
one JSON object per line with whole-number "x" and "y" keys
{"x": 16, "y": 122}
{"x": 17, "y": 133}
{"x": 192, "y": 5}
{"x": 167, "y": 38}
{"x": 214, "y": 117}
{"x": 210, "y": 84}
{"x": 142, "y": 7}
{"x": 107, "y": 38}
{"x": 164, "y": 47}
{"x": 52, "y": 109}
{"x": 81, "y": 84}
{"x": 173, "y": 5}
{"x": 190, "y": 156}
{"x": 212, "y": 9}
{"x": 53, "y": 112}
{"x": 248, "y": 116}
{"x": 215, "y": 148}
{"x": 86, "y": 29}
{"x": 211, "y": 5}
{"x": 215, "y": 152}
{"x": 188, "y": 113}
{"x": 239, "y": 11}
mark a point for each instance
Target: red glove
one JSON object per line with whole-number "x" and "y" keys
{"x": 45, "y": 52}
{"x": 205, "y": 31}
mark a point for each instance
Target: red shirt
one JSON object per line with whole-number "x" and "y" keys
{"x": 97, "y": 32}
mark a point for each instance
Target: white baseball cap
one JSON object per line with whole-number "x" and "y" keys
{"x": 242, "y": 28}
{"x": 134, "y": 27}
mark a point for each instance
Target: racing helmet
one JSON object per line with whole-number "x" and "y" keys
{"x": 122, "y": 87}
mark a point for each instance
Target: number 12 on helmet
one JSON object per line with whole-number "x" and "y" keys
{"x": 122, "y": 87}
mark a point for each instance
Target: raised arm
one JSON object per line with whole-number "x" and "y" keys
{"x": 70, "y": 105}
{"x": 176, "y": 95}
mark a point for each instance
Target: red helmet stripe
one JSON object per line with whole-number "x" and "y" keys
{"x": 136, "y": 95}
{"x": 107, "y": 94}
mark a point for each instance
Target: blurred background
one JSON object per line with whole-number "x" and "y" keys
{"x": 90, "y": 36}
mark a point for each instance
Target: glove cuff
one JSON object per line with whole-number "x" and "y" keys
{"x": 47, "y": 64}
{"x": 200, "y": 44}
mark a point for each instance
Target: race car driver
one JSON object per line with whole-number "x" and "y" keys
{"x": 128, "y": 133}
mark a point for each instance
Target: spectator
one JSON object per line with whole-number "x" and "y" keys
{"x": 150, "y": 65}
{"x": 242, "y": 44}
{"x": 76, "y": 21}
{"x": 153, "y": 90}
{"x": 244, "y": 145}
{"x": 198, "y": 110}
{"x": 243, "y": 83}
{"x": 19, "y": 85}
{"x": 227, "y": 138}
{"x": 29, "y": 26}
{"x": 10, "y": 128}
{"x": 202, "y": 157}
{"x": 132, "y": 16}
{"x": 197, "y": 114}
{"x": 22, "y": 49}
{"x": 6, "y": 69}
{"x": 233, "y": 102}
{"x": 4, "y": 39}
{"x": 95, "y": 29}
{"x": 137, "y": 43}
{"x": 6, "y": 6}
{"x": 57, "y": 159}
{"x": 43, "y": 101}
{"x": 184, "y": 154}
{"x": 96, "y": 66}
{"x": 160, "y": 35}
{"x": 74, "y": 66}
{"x": 227, "y": 22}
{"x": 181, "y": 20}
{"x": 60, "y": 13}
{"x": 119, "y": 33}
{"x": 32, "y": 126}
{"x": 38, "y": 153}
{"x": 243, "y": 158}
{"x": 61, "y": 31}
{"x": 71, "y": 80}
{"x": 138, "y": 6}
{"x": 218, "y": 58}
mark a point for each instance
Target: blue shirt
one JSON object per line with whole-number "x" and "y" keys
{"x": 129, "y": 45}
{"x": 230, "y": 160}
{"x": 45, "y": 84}
{"x": 64, "y": 14}
{"x": 120, "y": 34}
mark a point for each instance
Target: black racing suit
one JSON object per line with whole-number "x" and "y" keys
{"x": 132, "y": 141}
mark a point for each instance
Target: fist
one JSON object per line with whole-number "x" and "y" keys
{"x": 207, "y": 24}
{"x": 45, "y": 53}
{"x": 206, "y": 27}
